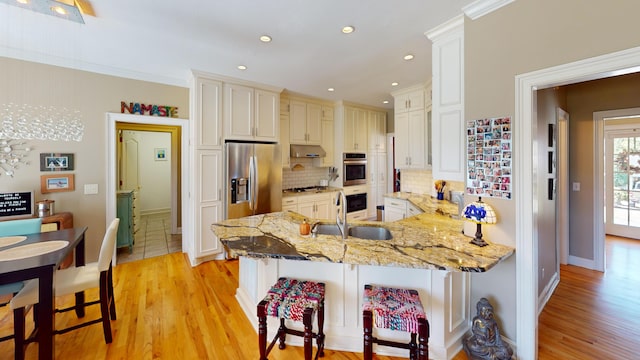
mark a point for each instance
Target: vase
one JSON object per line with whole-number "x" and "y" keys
{"x": 440, "y": 196}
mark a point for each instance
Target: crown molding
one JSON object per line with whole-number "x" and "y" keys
{"x": 75, "y": 64}
{"x": 480, "y": 8}
{"x": 444, "y": 28}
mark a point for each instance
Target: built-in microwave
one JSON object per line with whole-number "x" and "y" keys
{"x": 354, "y": 169}
{"x": 356, "y": 202}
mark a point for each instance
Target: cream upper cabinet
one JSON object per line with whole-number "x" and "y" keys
{"x": 449, "y": 135}
{"x": 355, "y": 129}
{"x": 284, "y": 134}
{"x": 410, "y": 138}
{"x": 251, "y": 114}
{"x": 413, "y": 100}
{"x": 411, "y": 131}
{"x": 267, "y": 115}
{"x": 377, "y": 123}
{"x": 305, "y": 123}
{"x": 327, "y": 142}
{"x": 208, "y": 113}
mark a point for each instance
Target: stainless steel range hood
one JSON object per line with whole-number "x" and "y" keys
{"x": 307, "y": 151}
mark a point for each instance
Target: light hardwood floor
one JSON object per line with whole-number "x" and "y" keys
{"x": 169, "y": 310}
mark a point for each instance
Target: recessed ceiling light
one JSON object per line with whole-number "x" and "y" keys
{"x": 242, "y": 67}
{"x": 59, "y": 9}
{"x": 22, "y": 1}
{"x": 385, "y": 102}
{"x": 348, "y": 29}
{"x": 408, "y": 57}
{"x": 331, "y": 89}
{"x": 394, "y": 84}
{"x": 265, "y": 38}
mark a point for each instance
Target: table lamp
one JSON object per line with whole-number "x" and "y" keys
{"x": 480, "y": 213}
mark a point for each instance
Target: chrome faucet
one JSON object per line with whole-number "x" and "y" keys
{"x": 341, "y": 200}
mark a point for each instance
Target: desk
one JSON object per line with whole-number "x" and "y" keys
{"x": 42, "y": 267}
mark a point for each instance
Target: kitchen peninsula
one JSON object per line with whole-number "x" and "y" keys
{"x": 428, "y": 252}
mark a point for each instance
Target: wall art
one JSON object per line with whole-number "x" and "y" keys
{"x": 160, "y": 154}
{"x": 56, "y": 183}
{"x": 56, "y": 162}
{"x": 489, "y": 160}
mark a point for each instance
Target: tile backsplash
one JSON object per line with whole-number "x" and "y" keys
{"x": 306, "y": 176}
{"x": 421, "y": 182}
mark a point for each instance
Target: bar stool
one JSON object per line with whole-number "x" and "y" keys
{"x": 294, "y": 300}
{"x": 395, "y": 309}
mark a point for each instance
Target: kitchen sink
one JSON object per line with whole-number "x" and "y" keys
{"x": 370, "y": 232}
{"x": 360, "y": 232}
{"x": 328, "y": 229}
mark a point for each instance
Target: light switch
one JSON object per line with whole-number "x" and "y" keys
{"x": 90, "y": 189}
{"x": 576, "y": 186}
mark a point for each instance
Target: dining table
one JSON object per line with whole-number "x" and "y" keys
{"x": 34, "y": 257}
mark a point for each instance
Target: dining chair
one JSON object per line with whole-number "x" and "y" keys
{"x": 70, "y": 281}
{"x": 14, "y": 228}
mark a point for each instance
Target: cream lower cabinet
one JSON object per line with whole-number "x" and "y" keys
{"x": 398, "y": 209}
{"x": 290, "y": 203}
{"x": 315, "y": 206}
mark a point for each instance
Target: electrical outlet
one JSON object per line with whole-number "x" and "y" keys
{"x": 543, "y": 273}
{"x": 576, "y": 186}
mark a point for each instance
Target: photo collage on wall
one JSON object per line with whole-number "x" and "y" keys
{"x": 489, "y": 157}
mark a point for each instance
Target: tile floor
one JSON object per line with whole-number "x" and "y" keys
{"x": 153, "y": 238}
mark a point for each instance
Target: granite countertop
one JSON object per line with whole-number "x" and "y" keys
{"x": 432, "y": 240}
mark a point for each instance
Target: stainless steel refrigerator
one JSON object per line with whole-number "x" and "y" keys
{"x": 253, "y": 179}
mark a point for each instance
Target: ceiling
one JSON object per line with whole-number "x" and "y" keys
{"x": 162, "y": 41}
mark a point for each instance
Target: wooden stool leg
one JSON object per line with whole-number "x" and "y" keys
{"x": 282, "y": 335}
{"x": 413, "y": 348}
{"x": 262, "y": 330}
{"x": 320, "y": 339}
{"x": 367, "y": 322}
{"x": 307, "y": 321}
{"x": 423, "y": 339}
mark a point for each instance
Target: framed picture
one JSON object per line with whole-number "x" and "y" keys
{"x": 56, "y": 162}
{"x": 56, "y": 183}
{"x": 160, "y": 154}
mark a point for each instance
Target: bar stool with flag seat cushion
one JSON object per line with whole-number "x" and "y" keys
{"x": 296, "y": 300}
{"x": 395, "y": 309}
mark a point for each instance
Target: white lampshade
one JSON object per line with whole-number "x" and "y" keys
{"x": 479, "y": 212}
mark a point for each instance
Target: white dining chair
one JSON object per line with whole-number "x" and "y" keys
{"x": 69, "y": 281}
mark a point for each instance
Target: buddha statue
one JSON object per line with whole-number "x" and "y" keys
{"x": 485, "y": 342}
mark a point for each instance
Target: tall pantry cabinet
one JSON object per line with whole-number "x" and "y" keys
{"x": 222, "y": 109}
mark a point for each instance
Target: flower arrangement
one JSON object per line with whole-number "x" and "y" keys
{"x": 439, "y": 185}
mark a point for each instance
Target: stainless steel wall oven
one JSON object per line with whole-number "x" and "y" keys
{"x": 354, "y": 168}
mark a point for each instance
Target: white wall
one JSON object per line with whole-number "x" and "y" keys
{"x": 154, "y": 175}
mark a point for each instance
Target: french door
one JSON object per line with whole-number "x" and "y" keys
{"x": 622, "y": 181}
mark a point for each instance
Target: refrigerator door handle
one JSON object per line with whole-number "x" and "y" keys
{"x": 253, "y": 183}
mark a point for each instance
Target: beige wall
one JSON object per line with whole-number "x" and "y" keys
{"x": 522, "y": 37}
{"x": 93, "y": 95}
{"x": 582, "y": 101}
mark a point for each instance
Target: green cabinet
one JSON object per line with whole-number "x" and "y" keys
{"x": 125, "y": 214}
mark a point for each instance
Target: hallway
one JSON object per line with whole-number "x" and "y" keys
{"x": 153, "y": 239}
{"x": 594, "y": 315}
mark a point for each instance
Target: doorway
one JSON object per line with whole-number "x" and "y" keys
{"x": 623, "y": 62}
{"x": 622, "y": 180}
{"x": 179, "y": 129}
